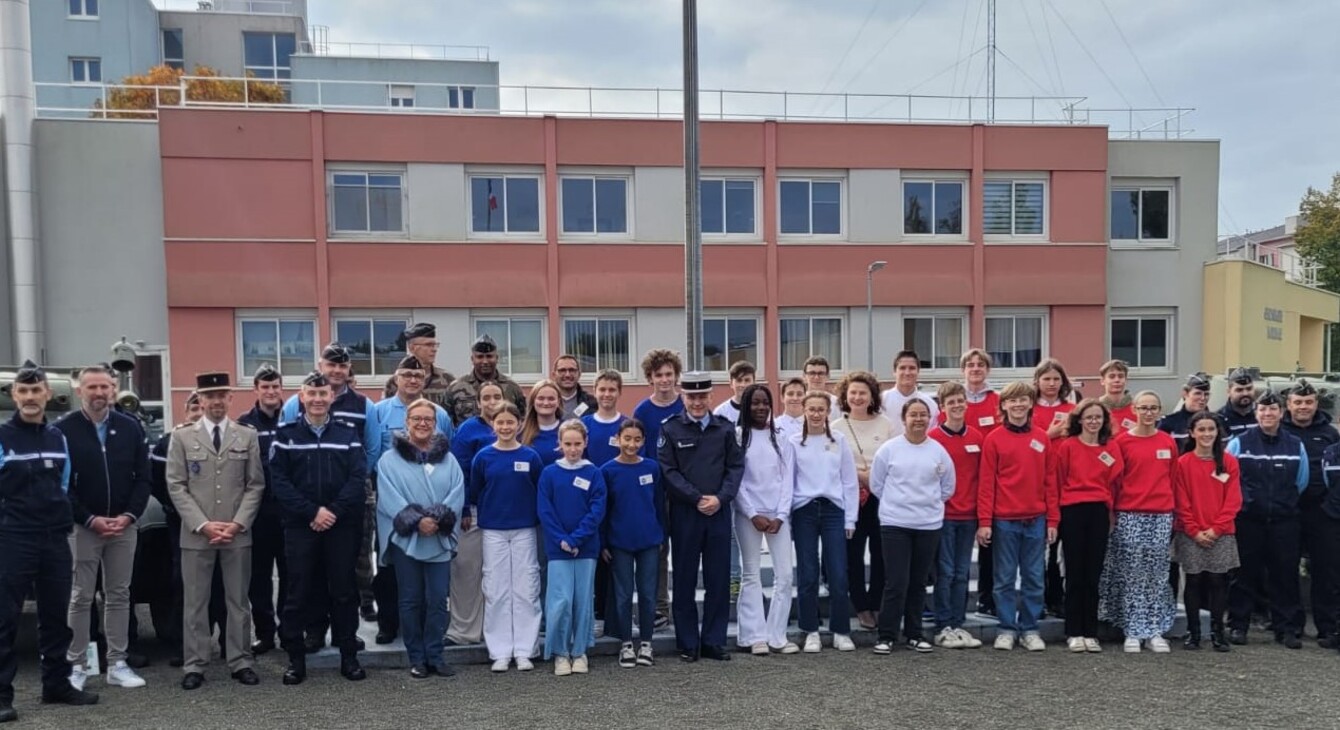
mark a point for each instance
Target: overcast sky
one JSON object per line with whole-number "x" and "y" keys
{"x": 1263, "y": 77}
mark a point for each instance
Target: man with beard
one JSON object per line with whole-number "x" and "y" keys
{"x": 422, "y": 344}
{"x": 267, "y": 533}
{"x": 573, "y": 401}
{"x": 463, "y": 394}
{"x": 1240, "y": 411}
{"x": 1319, "y": 532}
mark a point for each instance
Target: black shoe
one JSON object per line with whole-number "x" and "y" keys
{"x": 8, "y": 713}
{"x": 260, "y": 647}
{"x": 1290, "y": 641}
{"x": 351, "y": 670}
{"x": 314, "y": 643}
{"x": 358, "y": 642}
{"x": 1055, "y": 610}
{"x": 986, "y": 609}
{"x": 70, "y": 696}
{"x": 442, "y": 670}
{"x": 1218, "y": 642}
{"x": 1192, "y": 642}
{"x": 716, "y": 653}
{"x": 295, "y": 674}
{"x": 247, "y": 676}
{"x": 176, "y": 661}
{"x": 367, "y": 612}
{"x": 688, "y": 655}
{"x": 192, "y": 680}
{"x": 136, "y": 661}
{"x": 1329, "y": 641}
{"x": 1237, "y": 636}
{"x": 384, "y": 637}
{"x": 419, "y": 671}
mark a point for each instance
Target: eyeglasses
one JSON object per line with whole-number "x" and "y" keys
{"x": 410, "y": 375}
{"x": 421, "y": 419}
{"x": 430, "y": 344}
{"x": 1148, "y": 409}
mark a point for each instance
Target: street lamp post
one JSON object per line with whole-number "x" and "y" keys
{"x": 870, "y": 312}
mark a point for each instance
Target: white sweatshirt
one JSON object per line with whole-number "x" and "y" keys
{"x": 790, "y": 424}
{"x": 728, "y": 411}
{"x": 826, "y": 469}
{"x": 892, "y": 402}
{"x": 769, "y": 478}
{"x": 912, "y": 482}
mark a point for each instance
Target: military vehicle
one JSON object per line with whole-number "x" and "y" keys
{"x": 1327, "y": 385}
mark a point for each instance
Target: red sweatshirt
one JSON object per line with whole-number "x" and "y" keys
{"x": 1123, "y": 419}
{"x": 1018, "y": 480}
{"x": 1045, "y": 416}
{"x": 1205, "y": 500}
{"x": 1146, "y": 479}
{"x": 965, "y": 450}
{"x": 1086, "y": 473}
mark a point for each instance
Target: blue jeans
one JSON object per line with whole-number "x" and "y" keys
{"x": 423, "y": 589}
{"x": 569, "y": 607}
{"x": 638, "y": 569}
{"x": 951, "y": 580}
{"x": 1020, "y": 548}
{"x": 821, "y": 523}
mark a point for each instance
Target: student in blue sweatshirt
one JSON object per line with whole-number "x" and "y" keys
{"x": 503, "y": 481}
{"x": 634, "y": 533}
{"x": 602, "y": 445}
{"x": 539, "y": 429}
{"x": 571, "y": 506}
{"x": 467, "y": 596}
{"x": 661, "y": 367}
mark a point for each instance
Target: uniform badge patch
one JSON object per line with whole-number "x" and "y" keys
{"x": 195, "y": 467}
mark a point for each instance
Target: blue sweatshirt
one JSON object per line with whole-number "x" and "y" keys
{"x": 502, "y": 486}
{"x": 602, "y": 439}
{"x": 652, "y": 416}
{"x": 545, "y": 444}
{"x": 471, "y": 437}
{"x": 571, "y": 504}
{"x": 634, "y": 505}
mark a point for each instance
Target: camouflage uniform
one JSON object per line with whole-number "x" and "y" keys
{"x": 463, "y": 395}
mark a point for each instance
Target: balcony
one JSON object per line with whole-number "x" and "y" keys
{"x": 294, "y": 8}
{"x": 1297, "y": 269}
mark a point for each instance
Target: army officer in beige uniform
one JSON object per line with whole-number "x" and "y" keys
{"x": 215, "y": 478}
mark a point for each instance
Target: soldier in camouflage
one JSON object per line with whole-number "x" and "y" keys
{"x": 462, "y": 396}
{"x": 421, "y": 342}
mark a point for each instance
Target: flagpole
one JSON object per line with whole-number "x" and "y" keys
{"x": 693, "y": 237}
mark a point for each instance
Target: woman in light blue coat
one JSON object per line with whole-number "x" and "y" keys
{"x": 420, "y": 492}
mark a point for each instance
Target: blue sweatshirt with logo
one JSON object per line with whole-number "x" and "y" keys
{"x": 502, "y": 487}
{"x": 634, "y": 506}
{"x": 571, "y": 507}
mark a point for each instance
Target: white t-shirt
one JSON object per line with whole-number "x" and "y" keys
{"x": 892, "y": 402}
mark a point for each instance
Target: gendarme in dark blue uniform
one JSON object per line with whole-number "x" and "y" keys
{"x": 267, "y": 532}
{"x": 1319, "y": 532}
{"x": 700, "y": 458}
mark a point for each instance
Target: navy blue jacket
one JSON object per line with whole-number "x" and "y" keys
{"x": 1330, "y": 464}
{"x": 1237, "y": 423}
{"x": 1175, "y": 424}
{"x": 1274, "y": 472}
{"x": 34, "y": 473}
{"x": 698, "y": 462}
{"x": 106, "y": 480}
{"x": 308, "y": 471}
{"x": 265, "y": 426}
{"x": 1316, "y": 437}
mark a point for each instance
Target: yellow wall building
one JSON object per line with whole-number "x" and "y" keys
{"x": 1259, "y": 315}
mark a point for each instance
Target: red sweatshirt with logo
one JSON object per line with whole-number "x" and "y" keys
{"x": 1044, "y": 415}
{"x": 1086, "y": 473}
{"x": 1018, "y": 479}
{"x": 965, "y": 450}
{"x": 1206, "y": 500}
{"x": 1146, "y": 478}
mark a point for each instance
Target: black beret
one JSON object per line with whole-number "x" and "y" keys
{"x": 484, "y": 345}
{"x": 1269, "y": 398}
{"x": 409, "y": 362}
{"x": 1303, "y": 388}
{"x": 30, "y": 374}
{"x": 336, "y": 353}
{"x": 420, "y": 329}
{"x": 266, "y": 372}
{"x": 1198, "y": 381}
{"x": 1240, "y": 376}
{"x": 315, "y": 379}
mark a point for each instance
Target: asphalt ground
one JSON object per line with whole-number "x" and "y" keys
{"x": 1261, "y": 685}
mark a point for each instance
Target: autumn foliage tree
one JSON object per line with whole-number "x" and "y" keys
{"x": 1318, "y": 241}
{"x": 140, "y": 96}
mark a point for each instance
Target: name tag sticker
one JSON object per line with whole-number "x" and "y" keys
{"x": 521, "y": 466}
{"x": 1106, "y": 458}
{"x": 973, "y": 449}
{"x": 580, "y": 409}
{"x": 614, "y": 440}
{"x": 429, "y": 469}
{"x": 1163, "y": 454}
{"x": 1036, "y": 445}
{"x": 986, "y": 420}
{"x": 1127, "y": 423}
{"x": 1059, "y": 417}
{"x": 582, "y": 484}
{"x": 48, "y": 463}
{"x": 645, "y": 479}
{"x": 1223, "y": 478}
{"x": 830, "y": 446}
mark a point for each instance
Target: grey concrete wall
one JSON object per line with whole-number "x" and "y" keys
{"x": 215, "y": 39}
{"x": 428, "y": 76}
{"x": 658, "y": 204}
{"x": 874, "y": 206}
{"x": 125, "y": 36}
{"x": 438, "y": 206}
{"x": 100, "y": 216}
{"x": 1169, "y": 277}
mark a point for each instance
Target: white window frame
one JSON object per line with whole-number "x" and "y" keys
{"x": 1014, "y": 178}
{"x": 594, "y": 177}
{"x": 369, "y": 318}
{"x": 164, "y": 405}
{"x": 398, "y": 94}
{"x": 933, "y": 179}
{"x": 844, "y": 333}
{"x": 628, "y": 317}
{"x": 1140, "y": 241}
{"x": 275, "y": 68}
{"x": 290, "y": 380}
{"x": 829, "y": 177}
{"x": 180, "y": 62}
{"x": 961, "y": 315}
{"x": 84, "y": 63}
{"x": 510, "y": 316}
{"x": 366, "y": 170}
{"x": 536, "y": 174}
{"x": 84, "y": 14}
{"x": 756, "y": 316}
{"x": 724, "y": 177}
{"x": 459, "y": 93}
{"x": 1041, "y": 313}
{"x": 1167, "y": 315}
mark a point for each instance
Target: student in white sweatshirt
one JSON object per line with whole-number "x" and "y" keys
{"x": 906, "y": 373}
{"x": 913, "y": 477}
{"x": 763, "y": 512}
{"x": 792, "y": 420}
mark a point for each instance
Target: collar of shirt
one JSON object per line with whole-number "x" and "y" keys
{"x": 207, "y": 426}
{"x": 1025, "y": 428}
{"x": 945, "y": 427}
{"x": 318, "y": 430}
{"x": 702, "y": 422}
{"x": 101, "y": 426}
{"x": 978, "y": 396}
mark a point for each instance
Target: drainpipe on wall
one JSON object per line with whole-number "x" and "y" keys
{"x": 18, "y": 109}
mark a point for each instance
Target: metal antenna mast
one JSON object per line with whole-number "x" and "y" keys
{"x": 991, "y": 60}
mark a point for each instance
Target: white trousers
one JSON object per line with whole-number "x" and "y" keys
{"x": 511, "y": 593}
{"x": 755, "y": 625}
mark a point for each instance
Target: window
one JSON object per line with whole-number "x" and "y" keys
{"x": 266, "y": 55}
{"x": 938, "y": 341}
{"x": 364, "y": 202}
{"x": 402, "y": 96}
{"x": 86, "y": 70}
{"x": 461, "y": 97}
{"x": 594, "y": 204}
{"x": 1014, "y": 341}
{"x": 520, "y": 343}
{"x": 1141, "y": 214}
{"x": 147, "y": 380}
{"x": 376, "y": 343}
{"x": 287, "y": 344}
{"x": 1142, "y": 341}
{"x": 811, "y": 207}
{"x": 933, "y": 207}
{"x": 504, "y": 204}
{"x": 174, "y": 50}
{"x": 804, "y": 337}
{"x": 83, "y": 8}
{"x": 728, "y": 340}
{"x": 727, "y": 206}
{"x": 599, "y": 343}
{"x": 1014, "y": 207}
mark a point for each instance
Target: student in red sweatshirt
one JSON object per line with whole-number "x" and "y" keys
{"x": 1088, "y": 465}
{"x": 983, "y": 414}
{"x": 1209, "y": 496}
{"x": 1113, "y": 375}
{"x": 1051, "y": 414}
{"x": 964, "y": 444}
{"x": 1017, "y": 513}
{"x": 1134, "y": 593}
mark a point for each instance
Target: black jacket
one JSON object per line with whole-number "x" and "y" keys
{"x": 265, "y": 426}
{"x": 33, "y": 469}
{"x": 1316, "y": 437}
{"x": 698, "y": 462}
{"x": 308, "y": 471}
{"x": 106, "y": 480}
{"x": 582, "y": 398}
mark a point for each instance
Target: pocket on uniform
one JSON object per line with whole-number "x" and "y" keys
{"x": 236, "y": 454}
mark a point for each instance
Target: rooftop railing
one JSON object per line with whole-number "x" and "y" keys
{"x": 395, "y": 50}
{"x": 250, "y": 7}
{"x": 1296, "y": 268}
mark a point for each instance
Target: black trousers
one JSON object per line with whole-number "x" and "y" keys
{"x": 40, "y": 562}
{"x": 336, "y": 552}
{"x": 865, "y": 595}
{"x": 1209, "y": 590}
{"x": 908, "y": 556}
{"x": 1084, "y": 531}
{"x": 696, "y": 539}
{"x": 267, "y": 555}
{"x": 1054, "y": 584}
{"x": 1321, "y": 540}
{"x": 1268, "y": 549}
{"x": 986, "y": 570}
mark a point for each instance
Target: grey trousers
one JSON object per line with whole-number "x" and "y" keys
{"x": 115, "y": 556}
{"x": 466, "y": 594}
{"x": 197, "y": 574}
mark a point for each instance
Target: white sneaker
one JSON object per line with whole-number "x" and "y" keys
{"x": 1092, "y": 646}
{"x": 1075, "y": 644}
{"x": 789, "y": 648}
{"x": 969, "y": 641}
{"x": 523, "y": 664}
{"x": 562, "y": 667}
{"x": 600, "y": 629}
{"x": 813, "y": 644}
{"x": 1159, "y": 645}
{"x": 579, "y": 665}
{"x": 78, "y": 677}
{"x": 121, "y": 675}
{"x": 1132, "y": 646}
{"x": 500, "y": 665}
{"x": 1033, "y": 642}
{"x": 948, "y": 639}
{"x": 760, "y": 649}
{"x": 843, "y": 642}
{"x": 1004, "y": 641}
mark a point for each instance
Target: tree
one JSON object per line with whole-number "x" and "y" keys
{"x": 1318, "y": 241}
{"x": 162, "y": 85}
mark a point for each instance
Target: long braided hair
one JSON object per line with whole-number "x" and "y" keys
{"x": 805, "y": 432}
{"x": 747, "y": 424}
